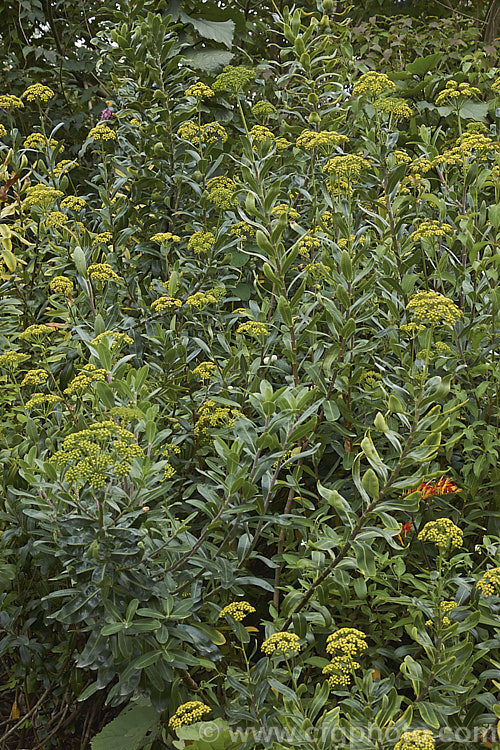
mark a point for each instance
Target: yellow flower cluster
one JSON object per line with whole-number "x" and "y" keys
{"x": 440, "y": 348}
{"x": 325, "y": 140}
{"x": 284, "y": 208}
{"x": 434, "y": 308}
{"x": 418, "y": 739}
{"x": 199, "y": 134}
{"x": 10, "y": 360}
{"x": 469, "y": 146}
{"x": 199, "y": 91}
{"x": 489, "y": 584}
{"x": 412, "y": 328}
{"x": 188, "y": 713}
{"x": 102, "y": 272}
{"x": 373, "y": 84}
{"x": 42, "y": 399}
{"x": 36, "y": 332}
{"x": 211, "y": 415}
{"x": 346, "y": 642}
{"x": 3, "y": 131}
{"x": 233, "y": 79}
{"x": 38, "y": 141}
{"x": 202, "y": 299}
{"x": 165, "y": 303}
{"x": 237, "y": 610}
{"x": 401, "y": 157}
{"x": 171, "y": 448}
{"x": 428, "y": 355}
{"x": 35, "y": 377}
{"x": 343, "y": 646}
{"x": 169, "y": 471}
{"x": 252, "y": 328}
{"x": 55, "y": 219}
{"x": 102, "y": 132}
{"x": 83, "y": 381}
{"x": 242, "y": 229}
{"x": 429, "y": 228}
{"x": 9, "y": 101}
{"x": 221, "y": 181}
{"x": 189, "y": 131}
{"x": 343, "y": 171}
{"x": 119, "y": 339}
{"x": 41, "y": 195}
{"x": 422, "y": 166}
{"x": 308, "y": 244}
{"x": 327, "y": 220}
{"x": 73, "y": 203}
{"x": 281, "y": 643}
{"x": 443, "y": 533}
{"x": 162, "y": 238}
{"x": 96, "y": 454}
{"x": 37, "y": 92}
{"x": 261, "y": 135}
{"x": 477, "y": 127}
{"x": 340, "y": 670}
{"x": 444, "y": 607}
{"x": 64, "y": 164}
{"x": 205, "y": 370}
{"x": 345, "y": 242}
{"x": 61, "y": 285}
{"x": 261, "y": 110}
{"x": 394, "y": 106}
{"x": 222, "y": 192}
{"x": 103, "y": 238}
{"x": 201, "y": 242}
{"x": 348, "y": 166}
{"x": 453, "y": 91}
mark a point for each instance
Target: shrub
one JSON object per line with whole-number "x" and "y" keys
{"x": 250, "y": 399}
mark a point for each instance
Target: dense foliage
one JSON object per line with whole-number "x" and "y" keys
{"x": 250, "y": 387}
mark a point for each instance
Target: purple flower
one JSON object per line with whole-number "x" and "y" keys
{"x": 107, "y": 114}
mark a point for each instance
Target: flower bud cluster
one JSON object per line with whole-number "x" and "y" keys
{"x": 237, "y": 610}
{"x": 37, "y": 92}
{"x": 443, "y": 533}
{"x": 188, "y": 713}
{"x": 102, "y": 272}
{"x": 343, "y": 646}
{"x": 373, "y": 84}
{"x": 85, "y": 379}
{"x": 201, "y": 243}
{"x": 98, "y": 454}
{"x": 418, "y": 739}
{"x": 434, "y": 308}
{"x": 43, "y": 196}
{"x": 489, "y": 584}
{"x": 281, "y": 643}
{"x": 325, "y": 140}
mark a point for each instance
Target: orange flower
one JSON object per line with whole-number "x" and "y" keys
{"x": 405, "y": 528}
{"x": 443, "y": 486}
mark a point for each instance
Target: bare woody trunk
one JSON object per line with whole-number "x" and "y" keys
{"x": 492, "y": 21}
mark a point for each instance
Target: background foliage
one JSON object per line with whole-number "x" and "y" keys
{"x": 263, "y": 358}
